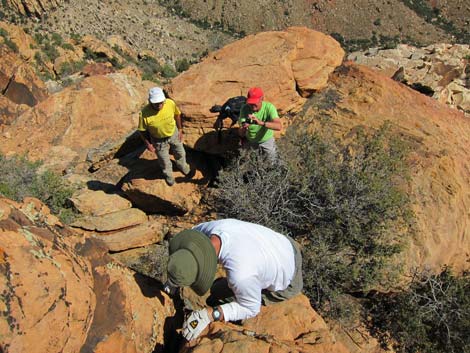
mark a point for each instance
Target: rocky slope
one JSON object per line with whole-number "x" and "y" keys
{"x": 144, "y": 25}
{"x": 62, "y": 294}
{"x": 358, "y": 22}
{"x": 289, "y": 66}
{"x": 85, "y": 130}
{"x": 188, "y": 29}
{"x": 441, "y": 70}
{"x": 356, "y": 97}
{"x": 82, "y": 127}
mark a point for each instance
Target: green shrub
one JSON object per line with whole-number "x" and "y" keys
{"x": 57, "y": 39}
{"x": 150, "y": 68}
{"x": 182, "y": 65}
{"x": 432, "y": 316}
{"x": 123, "y": 54}
{"x": 76, "y": 37}
{"x": 39, "y": 38}
{"x": 50, "y": 50}
{"x": 168, "y": 71}
{"x": 69, "y": 68}
{"x": 67, "y": 46}
{"x": 21, "y": 178}
{"x": 344, "y": 201}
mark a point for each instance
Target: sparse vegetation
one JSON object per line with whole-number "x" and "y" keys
{"x": 432, "y": 316}
{"x": 69, "y": 68}
{"x": 8, "y": 42}
{"x": 168, "y": 71}
{"x": 21, "y": 178}
{"x": 432, "y": 15}
{"x": 347, "y": 205}
{"x": 150, "y": 68}
{"x": 382, "y": 42}
{"x": 182, "y": 65}
{"x": 344, "y": 201}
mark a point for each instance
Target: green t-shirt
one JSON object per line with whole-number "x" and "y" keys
{"x": 159, "y": 124}
{"x": 257, "y": 133}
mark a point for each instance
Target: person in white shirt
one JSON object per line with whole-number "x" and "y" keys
{"x": 260, "y": 264}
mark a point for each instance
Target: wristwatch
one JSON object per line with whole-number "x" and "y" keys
{"x": 216, "y": 315}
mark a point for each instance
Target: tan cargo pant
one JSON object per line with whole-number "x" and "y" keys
{"x": 172, "y": 144}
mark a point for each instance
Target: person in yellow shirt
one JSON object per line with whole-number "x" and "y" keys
{"x": 161, "y": 130}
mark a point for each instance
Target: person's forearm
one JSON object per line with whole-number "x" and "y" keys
{"x": 234, "y": 311}
{"x": 275, "y": 125}
{"x": 179, "y": 122}
{"x": 143, "y": 136}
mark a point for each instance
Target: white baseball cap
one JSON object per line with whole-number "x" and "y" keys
{"x": 156, "y": 95}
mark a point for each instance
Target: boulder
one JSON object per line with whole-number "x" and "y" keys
{"x": 96, "y": 47}
{"x": 145, "y": 186}
{"x": 439, "y": 140}
{"x": 289, "y": 326}
{"x": 9, "y": 111}
{"x": 289, "y": 65}
{"x": 117, "y": 42}
{"x": 61, "y": 293}
{"x": 133, "y": 313}
{"x": 112, "y": 221}
{"x": 144, "y": 234}
{"x": 68, "y": 60}
{"x": 97, "y": 69}
{"x": 155, "y": 196}
{"x": 98, "y": 112}
{"x": 47, "y": 300}
{"x": 98, "y": 203}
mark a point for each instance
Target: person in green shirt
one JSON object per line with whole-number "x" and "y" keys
{"x": 258, "y": 121}
{"x": 161, "y": 130}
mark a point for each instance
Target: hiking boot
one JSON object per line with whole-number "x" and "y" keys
{"x": 170, "y": 180}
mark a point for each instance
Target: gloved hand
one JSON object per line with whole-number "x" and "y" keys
{"x": 195, "y": 324}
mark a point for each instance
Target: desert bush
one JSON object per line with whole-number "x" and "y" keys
{"x": 69, "y": 68}
{"x": 57, "y": 39}
{"x": 150, "y": 68}
{"x": 432, "y": 315}
{"x": 21, "y": 178}
{"x": 251, "y": 188}
{"x": 182, "y": 65}
{"x": 167, "y": 71}
{"x": 67, "y": 46}
{"x": 342, "y": 200}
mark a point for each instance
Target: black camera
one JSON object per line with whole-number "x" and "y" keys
{"x": 248, "y": 120}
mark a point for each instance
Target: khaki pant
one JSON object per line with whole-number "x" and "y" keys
{"x": 295, "y": 286}
{"x": 163, "y": 147}
{"x": 267, "y": 147}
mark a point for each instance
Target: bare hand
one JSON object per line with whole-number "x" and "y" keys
{"x": 150, "y": 147}
{"x": 180, "y": 135}
{"x": 254, "y": 119}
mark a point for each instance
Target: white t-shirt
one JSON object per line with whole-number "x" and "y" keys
{"x": 254, "y": 258}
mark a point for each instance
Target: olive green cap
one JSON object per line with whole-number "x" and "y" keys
{"x": 193, "y": 261}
